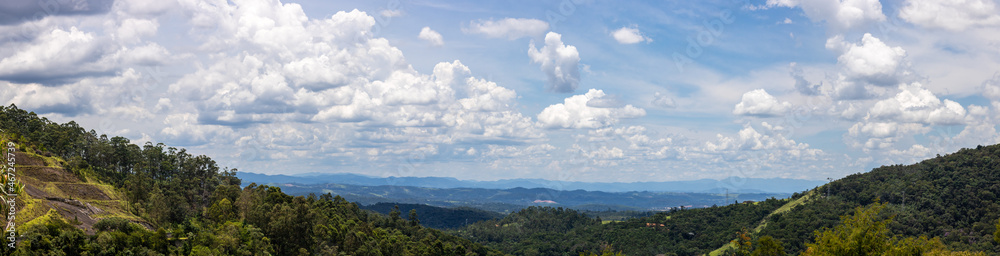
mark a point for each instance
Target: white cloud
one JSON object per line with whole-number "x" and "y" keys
{"x": 509, "y": 28}
{"x": 914, "y": 104}
{"x": 991, "y": 88}
{"x": 953, "y": 15}
{"x": 759, "y": 103}
{"x": 431, "y": 36}
{"x": 151, "y": 54}
{"x": 560, "y": 62}
{"x": 575, "y": 113}
{"x": 59, "y": 56}
{"x": 391, "y": 13}
{"x": 881, "y": 135}
{"x": 874, "y": 62}
{"x": 839, "y": 14}
{"x": 630, "y": 35}
{"x": 774, "y": 146}
{"x": 133, "y": 30}
{"x": 69, "y": 99}
{"x": 362, "y": 83}
{"x": 892, "y": 124}
{"x": 663, "y": 100}
{"x": 183, "y": 129}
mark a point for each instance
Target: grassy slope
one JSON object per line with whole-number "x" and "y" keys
{"x": 49, "y": 186}
{"x": 763, "y": 223}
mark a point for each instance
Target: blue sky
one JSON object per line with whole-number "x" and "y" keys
{"x": 574, "y": 90}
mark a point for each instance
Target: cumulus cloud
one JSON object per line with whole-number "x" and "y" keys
{"x": 630, "y": 35}
{"x": 560, "y": 62}
{"x": 574, "y": 112}
{"x": 874, "y": 62}
{"x": 60, "y": 56}
{"x": 953, "y": 15}
{"x": 838, "y": 14}
{"x": 335, "y": 71}
{"x": 881, "y": 135}
{"x": 71, "y": 100}
{"x": 759, "y": 103}
{"x": 893, "y": 123}
{"x": 431, "y": 36}
{"x": 510, "y": 28}
{"x": 750, "y": 139}
{"x": 914, "y": 104}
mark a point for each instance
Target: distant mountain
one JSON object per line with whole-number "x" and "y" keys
{"x": 513, "y": 199}
{"x": 733, "y": 184}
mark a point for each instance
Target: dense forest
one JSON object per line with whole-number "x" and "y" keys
{"x": 436, "y": 217}
{"x": 187, "y": 205}
{"x": 558, "y": 231}
{"x": 952, "y": 197}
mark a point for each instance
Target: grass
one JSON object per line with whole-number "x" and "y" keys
{"x": 763, "y": 223}
{"x": 721, "y": 250}
{"x": 32, "y": 209}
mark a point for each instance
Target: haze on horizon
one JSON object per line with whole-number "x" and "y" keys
{"x": 571, "y": 90}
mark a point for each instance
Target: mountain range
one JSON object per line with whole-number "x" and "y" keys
{"x": 732, "y": 184}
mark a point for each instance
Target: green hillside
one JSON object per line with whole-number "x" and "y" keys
{"x": 949, "y": 198}
{"x": 952, "y": 197}
{"x": 86, "y": 194}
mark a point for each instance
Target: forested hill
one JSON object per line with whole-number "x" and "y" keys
{"x": 81, "y": 193}
{"x": 953, "y": 197}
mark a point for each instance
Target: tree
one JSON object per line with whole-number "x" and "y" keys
{"x": 742, "y": 242}
{"x": 996, "y": 234}
{"x": 414, "y": 221}
{"x": 768, "y": 246}
{"x": 394, "y": 214}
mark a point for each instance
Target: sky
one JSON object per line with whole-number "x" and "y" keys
{"x": 568, "y": 90}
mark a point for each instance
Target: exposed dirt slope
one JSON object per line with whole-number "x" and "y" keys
{"x": 49, "y": 186}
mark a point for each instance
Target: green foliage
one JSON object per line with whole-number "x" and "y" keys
{"x": 866, "y": 232}
{"x": 438, "y": 217}
{"x": 742, "y": 244}
{"x": 952, "y": 197}
{"x": 414, "y": 220}
{"x": 607, "y": 251}
{"x": 116, "y": 224}
{"x": 996, "y": 234}
{"x": 559, "y": 231}
{"x": 768, "y": 246}
{"x": 860, "y": 234}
